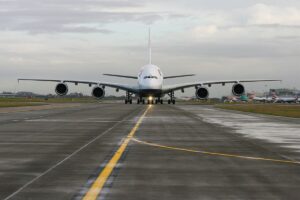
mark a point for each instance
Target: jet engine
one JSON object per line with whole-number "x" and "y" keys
{"x": 202, "y": 93}
{"x": 61, "y": 89}
{"x": 98, "y": 92}
{"x": 238, "y": 89}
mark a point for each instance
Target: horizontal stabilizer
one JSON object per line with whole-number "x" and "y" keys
{"x": 122, "y": 76}
{"x": 179, "y": 76}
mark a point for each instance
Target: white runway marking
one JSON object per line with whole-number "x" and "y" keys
{"x": 30, "y": 143}
{"x": 66, "y": 158}
{"x": 71, "y": 121}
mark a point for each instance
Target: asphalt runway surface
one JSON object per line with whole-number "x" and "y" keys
{"x": 134, "y": 152}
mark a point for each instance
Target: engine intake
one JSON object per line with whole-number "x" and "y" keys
{"x": 98, "y": 92}
{"x": 202, "y": 93}
{"x": 238, "y": 89}
{"x": 61, "y": 89}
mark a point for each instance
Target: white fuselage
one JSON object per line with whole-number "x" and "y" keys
{"x": 286, "y": 99}
{"x": 150, "y": 78}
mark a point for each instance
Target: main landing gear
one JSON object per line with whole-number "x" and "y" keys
{"x": 149, "y": 101}
{"x": 172, "y": 98}
{"x": 157, "y": 101}
{"x": 171, "y": 101}
{"x": 128, "y": 98}
{"x": 140, "y": 100}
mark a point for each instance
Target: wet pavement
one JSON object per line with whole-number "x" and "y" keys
{"x": 283, "y": 131}
{"x": 170, "y": 152}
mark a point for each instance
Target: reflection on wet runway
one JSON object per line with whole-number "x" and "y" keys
{"x": 274, "y": 130}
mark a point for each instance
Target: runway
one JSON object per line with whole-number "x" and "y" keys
{"x": 117, "y": 151}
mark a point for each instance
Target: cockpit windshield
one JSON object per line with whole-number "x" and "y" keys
{"x": 150, "y": 77}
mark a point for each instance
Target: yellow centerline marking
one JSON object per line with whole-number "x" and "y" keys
{"x": 97, "y": 186}
{"x": 214, "y": 153}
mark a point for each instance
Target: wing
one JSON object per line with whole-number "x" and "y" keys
{"x": 122, "y": 76}
{"x": 179, "y": 76}
{"x": 170, "y": 88}
{"x": 124, "y": 87}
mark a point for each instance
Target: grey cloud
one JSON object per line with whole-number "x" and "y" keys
{"x": 276, "y": 26}
{"x": 57, "y": 16}
{"x": 246, "y": 49}
{"x": 21, "y": 4}
{"x": 273, "y": 26}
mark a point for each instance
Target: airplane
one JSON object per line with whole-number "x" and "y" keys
{"x": 275, "y": 99}
{"x": 149, "y": 85}
{"x": 286, "y": 99}
{"x": 266, "y": 99}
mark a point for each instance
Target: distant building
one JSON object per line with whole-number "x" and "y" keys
{"x": 7, "y": 94}
{"x": 284, "y": 92}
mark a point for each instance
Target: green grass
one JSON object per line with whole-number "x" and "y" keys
{"x": 50, "y": 100}
{"x": 18, "y": 104}
{"x": 269, "y": 109}
{"x": 197, "y": 102}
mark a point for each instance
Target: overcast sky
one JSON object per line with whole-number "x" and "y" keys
{"x": 81, "y": 39}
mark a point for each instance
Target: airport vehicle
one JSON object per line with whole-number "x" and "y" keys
{"x": 149, "y": 88}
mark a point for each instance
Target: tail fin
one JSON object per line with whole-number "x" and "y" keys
{"x": 274, "y": 96}
{"x": 149, "y": 47}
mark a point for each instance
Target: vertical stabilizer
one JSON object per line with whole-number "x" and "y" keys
{"x": 149, "y": 46}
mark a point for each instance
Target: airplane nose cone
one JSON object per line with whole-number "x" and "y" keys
{"x": 151, "y": 84}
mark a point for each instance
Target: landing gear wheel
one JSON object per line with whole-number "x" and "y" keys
{"x": 130, "y": 101}
{"x": 161, "y": 101}
{"x": 156, "y": 101}
{"x": 173, "y": 101}
{"x": 126, "y": 101}
{"x": 143, "y": 101}
{"x": 169, "y": 101}
{"x": 138, "y": 101}
{"x": 148, "y": 102}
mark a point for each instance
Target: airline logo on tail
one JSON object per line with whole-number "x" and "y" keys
{"x": 274, "y": 96}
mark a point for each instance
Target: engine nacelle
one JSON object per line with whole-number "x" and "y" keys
{"x": 61, "y": 89}
{"x": 98, "y": 92}
{"x": 202, "y": 93}
{"x": 238, "y": 89}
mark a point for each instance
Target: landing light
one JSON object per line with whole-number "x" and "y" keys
{"x": 150, "y": 98}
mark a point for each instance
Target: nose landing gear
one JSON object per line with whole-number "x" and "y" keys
{"x": 149, "y": 100}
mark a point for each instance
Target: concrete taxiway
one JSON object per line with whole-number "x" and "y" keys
{"x": 116, "y": 151}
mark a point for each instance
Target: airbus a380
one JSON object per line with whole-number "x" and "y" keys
{"x": 150, "y": 88}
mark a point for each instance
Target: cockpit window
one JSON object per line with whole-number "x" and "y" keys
{"x": 150, "y": 77}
